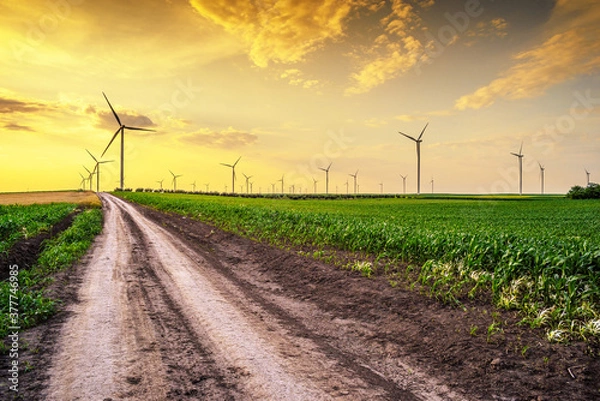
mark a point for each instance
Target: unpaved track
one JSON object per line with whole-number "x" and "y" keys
{"x": 158, "y": 320}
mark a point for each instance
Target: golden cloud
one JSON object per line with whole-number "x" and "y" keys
{"x": 571, "y": 50}
{"x": 226, "y": 139}
{"x": 278, "y": 31}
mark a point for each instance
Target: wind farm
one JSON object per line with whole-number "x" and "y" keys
{"x": 172, "y": 224}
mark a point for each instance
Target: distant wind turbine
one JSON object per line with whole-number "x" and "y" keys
{"x": 347, "y": 186}
{"x": 281, "y": 183}
{"x": 121, "y": 129}
{"x": 160, "y": 182}
{"x": 90, "y": 176}
{"x": 326, "y": 170}
{"x": 207, "y": 184}
{"x": 97, "y": 169}
{"x": 587, "y": 173}
{"x": 404, "y": 182}
{"x": 315, "y": 185}
{"x": 83, "y": 180}
{"x": 431, "y": 184}
{"x": 381, "y": 185}
{"x": 194, "y": 186}
{"x": 175, "y": 177}
{"x": 354, "y": 176}
{"x": 418, "y": 143}
{"x": 520, "y": 156}
{"x": 247, "y": 182}
{"x": 542, "y": 169}
{"x": 232, "y": 172}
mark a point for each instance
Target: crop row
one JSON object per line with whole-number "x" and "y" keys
{"x": 18, "y": 221}
{"x": 28, "y": 285}
{"x": 539, "y": 257}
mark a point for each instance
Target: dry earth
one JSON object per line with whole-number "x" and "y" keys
{"x": 167, "y": 308}
{"x": 28, "y": 198}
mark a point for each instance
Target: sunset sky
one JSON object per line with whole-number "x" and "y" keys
{"x": 291, "y": 86}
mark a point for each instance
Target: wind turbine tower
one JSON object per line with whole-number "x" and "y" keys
{"x": 281, "y": 183}
{"x": 520, "y": 156}
{"x": 97, "y": 169}
{"x": 354, "y": 176}
{"x": 232, "y": 172}
{"x": 418, "y": 143}
{"x": 175, "y": 177}
{"x": 587, "y": 173}
{"x": 247, "y": 182}
{"x": 326, "y": 170}
{"x": 404, "y": 182}
{"x": 542, "y": 170}
{"x": 121, "y": 129}
{"x": 315, "y": 185}
{"x": 90, "y": 176}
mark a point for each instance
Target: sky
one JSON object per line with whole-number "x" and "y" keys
{"x": 294, "y": 86}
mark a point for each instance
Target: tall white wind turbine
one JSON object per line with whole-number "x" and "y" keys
{"x": 520, "y": 156}
{"x": 121, "y": 130}
{"x": 326, "y": 170}
{"x": 418, "y": 143}
{"x": 232, "y": 166}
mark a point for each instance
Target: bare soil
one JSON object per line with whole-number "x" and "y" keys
{"x": 169, "y": 308}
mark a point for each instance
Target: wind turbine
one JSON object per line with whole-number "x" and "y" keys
{"x": 347, "y": 186}
{"x": 520, "y": 156}
{"x": 542, "y": 169}
{"x": 326, "y": 170}
{"x": 315, "y": 185}
{"x": 247, "y": 182}
{"x": 160, "y": 182}
{"x": 207, "y": 184}
{"x": 91, "y": 174}
{"x": 354, "y": 176}
{"x": 121, "y": 129}
{"x": 404, "y": 182}
{"x": 418, "y": 142}
{"x": 381, "y": 185}
{"x": 587, "y": 173}
{"x": 97, "y": 169}
{"x": 431, "y": 184}
{"x": 281, "y": 183}
{"x": 194, "y": 186}
{"x": 83, "y": 180}
{"x": 232, "y": 172}
{"x": 175, "y": 177}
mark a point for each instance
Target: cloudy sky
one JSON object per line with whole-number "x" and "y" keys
{"x": 291, "y": 86}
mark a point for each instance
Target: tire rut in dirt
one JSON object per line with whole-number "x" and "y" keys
{"x": 191, "y": 370}
{"x": 274, "y": 364}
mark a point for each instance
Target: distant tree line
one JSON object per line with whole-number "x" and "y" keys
{"x": 592, "y": 191}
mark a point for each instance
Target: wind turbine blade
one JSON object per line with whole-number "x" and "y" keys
{"x": 139, "y": 129}
{"x": 236, "y": 162}
{"x": 86, "y": 169}
{"x": 171, "y": 173}
{"x": 521, "y": 149}
{"x": 515, "y": 154}
{"x": 111, "y": 141}
{"x": 408, "y": 136}
{"x": 113, "y": 110}
{"x": 422, "y": 132}
{"x": 227, "y": 165}
{"x": 328, "y": 167}
{"x": 89, "y": 153}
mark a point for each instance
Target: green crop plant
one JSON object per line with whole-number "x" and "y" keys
{"x": 527, "y": 254}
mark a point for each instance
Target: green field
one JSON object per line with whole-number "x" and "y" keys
{"x": 538, "y": 255}
{"x": 23, "y": 302}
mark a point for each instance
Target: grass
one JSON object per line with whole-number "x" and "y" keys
{"x": 29, "y": 285}
{"x": 537, "y": 255}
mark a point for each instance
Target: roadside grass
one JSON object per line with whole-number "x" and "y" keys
{"x": 538, "y": 256}
{"x": 30, "y": 284}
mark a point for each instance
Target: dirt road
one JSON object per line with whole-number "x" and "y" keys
{"x": 168, "y": 308}
{"x": 158, "y": 319}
